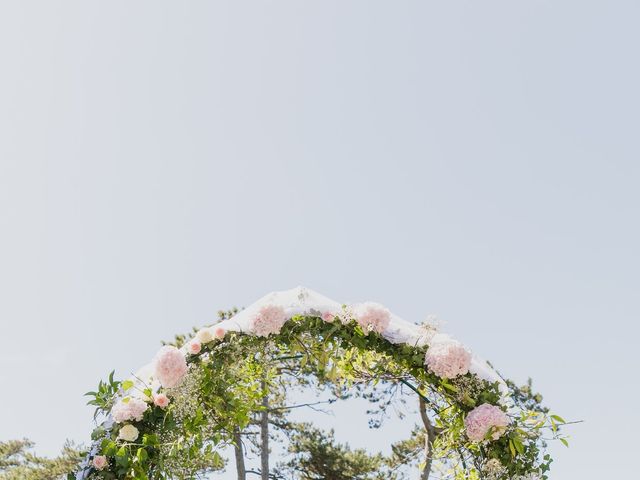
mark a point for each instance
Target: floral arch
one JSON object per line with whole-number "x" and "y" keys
{"x": 485, "y": 427}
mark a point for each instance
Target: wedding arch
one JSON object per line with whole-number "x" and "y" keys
{"x": 200, "y": 391}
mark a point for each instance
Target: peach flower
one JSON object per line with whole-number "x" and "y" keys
{"x": 161, "y": 400}
{"x": 194, "y": 347}
{"x": 219, "y": 333}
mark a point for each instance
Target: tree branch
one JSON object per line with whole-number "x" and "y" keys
{"x": 310, "y": 405}
{"x": 264, "y": 433}
{"x": 237, "y": 447}
{"x": 431, "y": 435}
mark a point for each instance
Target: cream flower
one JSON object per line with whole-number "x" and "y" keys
{"x": 128, "y": 433}
{"x": 204, "y": 335}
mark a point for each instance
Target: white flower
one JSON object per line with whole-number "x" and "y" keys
{"x": 493, "y": 469}
{"x": 204, "y": 335}
{"x": 529, "y": 476}
{"x": 128, "y": 433}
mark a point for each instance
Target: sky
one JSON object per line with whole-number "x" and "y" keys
{"x": 478, "y": 161}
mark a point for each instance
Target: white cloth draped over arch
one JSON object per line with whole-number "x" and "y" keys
{"x": 304, "y": 301}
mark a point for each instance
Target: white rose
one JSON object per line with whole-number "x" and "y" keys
{"x": 128, "y": 433}
{"x": 204, "y": 335}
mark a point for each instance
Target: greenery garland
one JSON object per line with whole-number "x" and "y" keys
{"x": 180, "y": 430}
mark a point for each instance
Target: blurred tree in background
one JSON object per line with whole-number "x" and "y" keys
{"x": 17, "y": 462}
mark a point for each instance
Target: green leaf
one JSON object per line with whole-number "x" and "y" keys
{"x": 518, "y": 444}
{"x": 127, "y": 384}
{"x": 142, "y": 455}
{"x": 449, "y": 387}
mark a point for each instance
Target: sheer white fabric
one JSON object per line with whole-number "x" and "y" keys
{"x": 304, "y": 301}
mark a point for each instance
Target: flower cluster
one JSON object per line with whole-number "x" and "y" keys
{"x": 529, "y": 476}
{"x": 484, "y": 419}
{"x": 170, "y": 366}
{"x": 268, "y": 320}
{"x": 128, "y": 409}
{"x": 493, "y": 469}
{"x": 372, "y": 316}
{"x": 206, "y": 335}
{"x": 448, "y": 359}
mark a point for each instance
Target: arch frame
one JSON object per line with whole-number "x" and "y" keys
{"x": 304, "y": 325}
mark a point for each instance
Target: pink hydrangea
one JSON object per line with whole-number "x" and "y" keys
{"x": 219, "y": 333}
{"x": 161, "y": 400}
{"x": 483, "y": 419}
{"x": 268, "y": 320}
{"x": 170, "y": 366}
{"x": 128, "y": 408}
{"x": 194, "y": 347}
{"x": 448, "y": 359}
{"x": 99, "y": 462}
{"x": 372, "y": 316}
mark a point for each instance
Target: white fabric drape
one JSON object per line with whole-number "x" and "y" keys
{"x": 304, "y": 301}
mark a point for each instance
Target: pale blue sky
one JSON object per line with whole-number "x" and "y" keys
{"x": 478, "y": 160}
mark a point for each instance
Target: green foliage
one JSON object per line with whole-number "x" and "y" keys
{"x": 317, "y": 456}
{"x": 223, "y": 393}
{"x": 18, "y": 463}
{"x": 103, "y": 397}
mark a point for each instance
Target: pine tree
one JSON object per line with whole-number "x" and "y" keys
{"x": 18, "y": 463}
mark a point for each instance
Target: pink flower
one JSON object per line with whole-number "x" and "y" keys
{"x": 170, "y": 366}
{"x": 161, "y": 400}
{"x": 372, "y": 316}
{"x": 99, "y": 462}
{"x": 268, "y": 320}
{"x": 448, "y": 359}
{"x": 219, "y": 333}
{"x": 483, "y": 419}
{"x": 194, "y": 347}
{"x": 328, "y": 316}
{"x": 128, "y": 408}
